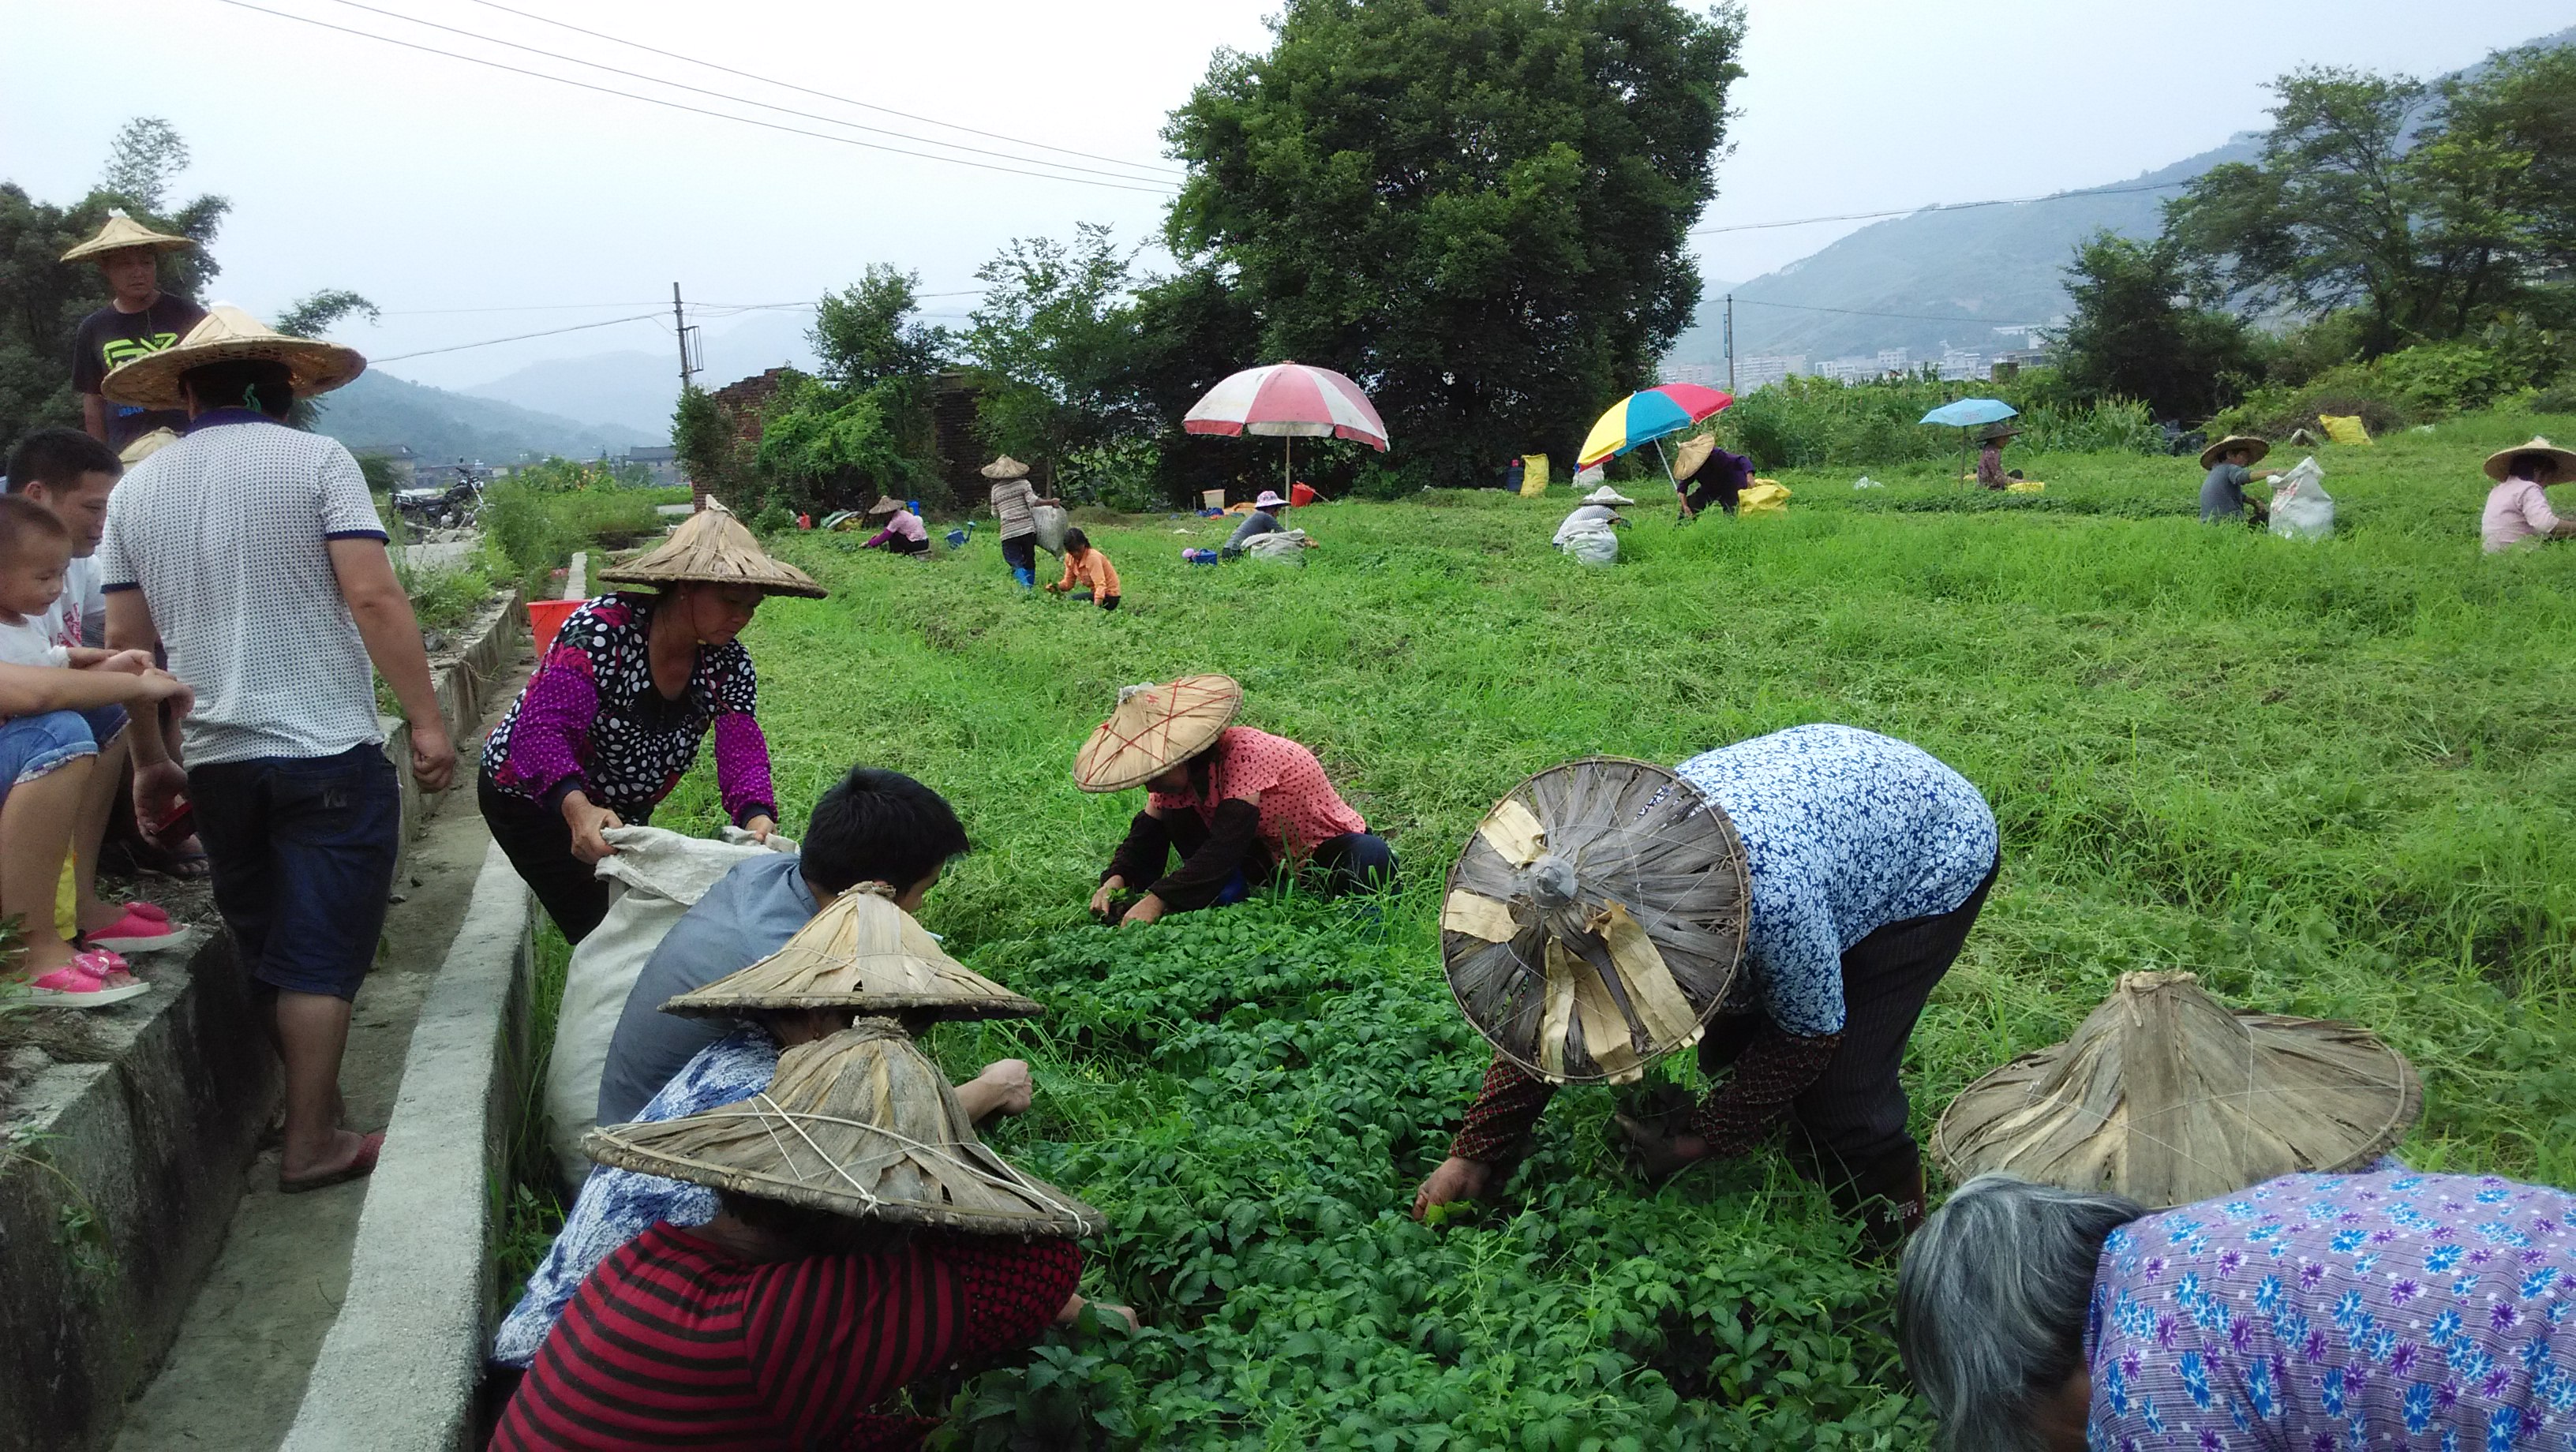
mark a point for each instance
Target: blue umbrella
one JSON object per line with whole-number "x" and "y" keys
{"x": 1967, "y": 413}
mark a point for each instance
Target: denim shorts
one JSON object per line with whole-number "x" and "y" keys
{"x": 104, "y": 723}
{"x": 303, "y": 855}
{"x": 37, "y": 745}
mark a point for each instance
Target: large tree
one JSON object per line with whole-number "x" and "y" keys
{"x": 2137, "y": 331}
{"x": 1477, "y": 208}
{"x": 2421, "y": 210}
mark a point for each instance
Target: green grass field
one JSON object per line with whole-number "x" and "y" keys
{"x": 2333, "y": 779}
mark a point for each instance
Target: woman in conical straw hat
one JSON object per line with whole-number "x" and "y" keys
{"x": 616, "y": 712}
{"x": 1237, "y": 805}
{"x": 1865, "y": 863}
{"x": 861, "y": 954}
{"x": 866, "y": 1237}
{"x": 2230, "y": 462}
{"x": 2517, "y": 510}
{"x": 1014, "y": 501}
{"x": 139, "y": 318}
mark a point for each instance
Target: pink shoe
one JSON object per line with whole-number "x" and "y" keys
{"x": 136, "y": 933}
{"x": 148, "y": 910}
{"x": 80, "y": 986}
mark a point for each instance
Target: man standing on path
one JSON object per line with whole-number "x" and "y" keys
{"x": 139, "y": 319}
{"x": 254, "y": 549}
{"x": 1015, "y": 501}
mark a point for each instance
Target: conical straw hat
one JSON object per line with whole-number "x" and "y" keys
{"x": 2210, "y": 456}
{"x": 1607, "y": 495}
{"x": 227, "y": 333}
{"x": 711, "y": 547}
{"x": 2502, "y": 459}
{"x": 2167, "y": 1096}
{"x": 1156, "y": 728}
{"x": 859, "y": 1124}
{"x": 1693, "y": 453}
{"x": 1596, "y": 919}
{"x": 861, "y": 953}
{"x": 887, "y": 505}
{"x": 1005, "y": 467}
{"x": 144, "y": 446}
{"x": 120, "y": 232}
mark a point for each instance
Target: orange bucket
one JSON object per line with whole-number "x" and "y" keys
{"x": 545, "y": 617}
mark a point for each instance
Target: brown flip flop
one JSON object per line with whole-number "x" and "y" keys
{"x": 363, "y": 1165}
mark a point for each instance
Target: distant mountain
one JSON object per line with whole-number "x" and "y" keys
{"x": 1957, "y": 274}
{"x": 637, "y": 389}
{"x": 438, "y": 425}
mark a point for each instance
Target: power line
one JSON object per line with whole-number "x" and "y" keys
{"x": 693, "y": 110}
{"x": 721, "y": 95}
{"x": 1938, "y": 207}
{"x": 519, "y": 337}
{"x": 826, "y": 95}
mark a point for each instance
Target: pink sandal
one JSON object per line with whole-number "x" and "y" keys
{"x": 83, "y": 984}
{"x": 138, "y": 933}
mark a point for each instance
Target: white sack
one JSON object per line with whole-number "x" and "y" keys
{"x": 1050, "y": 522}
{"x": 653, "y": 877}
{"x": 1593, "y": 546}
{"x": 1280, "y": 547}
{"x": 2301, "y": 508}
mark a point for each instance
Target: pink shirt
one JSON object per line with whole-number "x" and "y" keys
{"x": 908, "y": 524}
{"x": 1299, "y": 808}
{"x": 2516, "y": 510}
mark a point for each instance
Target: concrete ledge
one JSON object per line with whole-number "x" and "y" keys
{"x": 399, "y": 1370}
{"x": 463, "y": 683}
{"x": 117, "y": 1180}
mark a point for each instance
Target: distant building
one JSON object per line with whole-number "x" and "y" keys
{"x": 1761, "y": 368}
{"x": 1849, "y": 370}
{"x": 661, "y": 461}
{"x": 1957, "y": 363}
{"x": 1895, "y": 360}
{"x": 1706, "y": 375}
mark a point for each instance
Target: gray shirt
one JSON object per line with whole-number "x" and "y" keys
{"x": 2222, "y": 494}
{"x": 1257, "y": 523}
{"x": 749, "y": 914}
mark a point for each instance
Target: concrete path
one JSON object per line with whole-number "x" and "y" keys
{"x": 433, "y": 556}
{"x": 233, "y": 1381}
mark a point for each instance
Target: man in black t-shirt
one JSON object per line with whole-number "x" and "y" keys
{"x": 140, "y": 318}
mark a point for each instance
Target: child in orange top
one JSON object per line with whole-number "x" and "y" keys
{"x": 1087, "y": 567}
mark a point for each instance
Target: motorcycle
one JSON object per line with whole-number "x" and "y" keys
{"x": 451, "y": 506}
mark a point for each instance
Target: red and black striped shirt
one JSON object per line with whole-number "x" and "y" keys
{"x": 674, "y": 1342}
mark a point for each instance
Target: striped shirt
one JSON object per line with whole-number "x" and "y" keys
{"x": 675, "y": 1342}
{"x": 1013, "y": 501}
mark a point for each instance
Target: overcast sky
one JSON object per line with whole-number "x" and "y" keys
{"x": 435, "y": 186}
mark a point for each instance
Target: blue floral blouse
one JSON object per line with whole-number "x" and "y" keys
{"x": 2320, "y": 1312}
{"x": 1845, "y": 831}
{"x": 617, "y": 1205}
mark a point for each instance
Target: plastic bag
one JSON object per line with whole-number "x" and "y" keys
{"x": 1533, "y": 475}
{"x": 1592, "y": 546}
{"x": 1280, "y": 547}
{"x": 2301, "y": 508}
{"x": 2344, "y": 429}
{"x": 1767, "y": 496}
{"x": 1050, "y": 522}
{"x": 1866, "y": 482}
{"x": 1588, "y": 477}
{"x": 654, "y": 877}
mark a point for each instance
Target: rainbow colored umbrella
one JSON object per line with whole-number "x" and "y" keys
{"x": 1641, "y": 418}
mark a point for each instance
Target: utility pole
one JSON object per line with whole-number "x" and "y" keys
{"x": 1730, "y": 338}
{"x": 680, "y": 328}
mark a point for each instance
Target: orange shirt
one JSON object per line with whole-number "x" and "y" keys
{"x": 1094, "y": 570}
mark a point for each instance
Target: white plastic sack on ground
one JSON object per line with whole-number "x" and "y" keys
{"x": 1280, "y": 547}
{"x": 1593, "y": 546}
{"x": 1866, "y": 482}
{"x": 653, "y": 877}
{"x": 1050, "y": 522}
{"x": 2301, "y": 508}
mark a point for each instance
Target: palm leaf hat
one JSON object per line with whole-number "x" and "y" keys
{"x": 2168, "y": 1096}
{"x": 859, "y": 1124}
{"x": 1595, "y": 919}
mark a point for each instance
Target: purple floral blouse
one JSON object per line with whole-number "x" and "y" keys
{"x": 590, "y": 718}
{"x": 2320, "y": 1312}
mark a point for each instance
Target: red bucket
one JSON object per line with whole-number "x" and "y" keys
{"x": 545, "y": 617}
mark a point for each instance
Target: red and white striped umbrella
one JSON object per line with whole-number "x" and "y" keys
{"x": 1291, "y": 399}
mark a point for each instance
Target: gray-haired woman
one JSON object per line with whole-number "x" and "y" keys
{"x": 2381, "y": 1309}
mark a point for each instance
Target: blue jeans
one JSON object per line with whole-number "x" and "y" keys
{"x": 104, "y": 723}
{"x": 1020, "y": 552}
{"x": 38, "y": 745}
{"x": 303, "y": 855}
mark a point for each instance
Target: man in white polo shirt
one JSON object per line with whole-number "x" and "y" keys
{"x": 252, "y": 550}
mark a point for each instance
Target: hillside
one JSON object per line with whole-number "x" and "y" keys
{"x": 1960, "y": 274}
{"x": 438, "y": 425}
{"x": 636, "y": 389}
